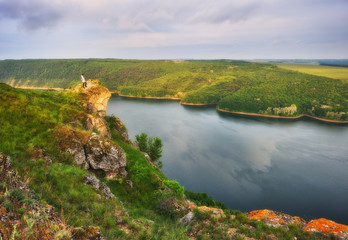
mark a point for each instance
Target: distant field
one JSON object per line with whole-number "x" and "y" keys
{"x": 318, "y": 70}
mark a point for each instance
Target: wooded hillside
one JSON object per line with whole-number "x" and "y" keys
{"x": 232, "y": 85}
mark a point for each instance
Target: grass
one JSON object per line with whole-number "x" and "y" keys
{"x": 318, "y": 70}
{"x": 29, "y": 121}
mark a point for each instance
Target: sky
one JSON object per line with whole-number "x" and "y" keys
{"x": 174, "y": 29}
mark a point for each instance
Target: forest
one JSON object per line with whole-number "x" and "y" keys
{"x": 232, "y": 85}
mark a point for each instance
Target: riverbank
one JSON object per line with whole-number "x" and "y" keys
{"x": 281, "y": 117}
{"x": 198, "y": 104}
{"x": 266, "y": 149}
{"x": 238, "y": 113}
{"x": 158, "y": 98}
{"x": 40, "y": 88}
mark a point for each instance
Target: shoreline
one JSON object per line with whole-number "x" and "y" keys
{"x": 40, "y": 88}
{"x": 158, "y": 98}
{"x": 282, "y": 117}
{"x": 198, "y": 104}
{"x": 209, "y": 104}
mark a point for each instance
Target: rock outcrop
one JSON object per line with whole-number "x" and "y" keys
{"x": 187, "y": 219}
{"x": 97, "y": 123}
{"x": 93, "y": 151}
{"x": 96, "y": 97}
{"x": 322, "y": 225}
{"x": 215, "y": 212}
{"x": 275, "y": 219}
{"x": 327, "y": 227}
{"x": 97, "y": 184}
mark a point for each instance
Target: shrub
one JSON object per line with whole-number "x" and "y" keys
{"x": 141, "y": 140}
{"x": 3, "y": 185}
{"x": 200, "y": 215}
{"x": 155, "y": 148}
{"x": 8, "y": 206}
{"x": 203, "y": 199}
{"x": 27, "y": 201}
{"x": 177, "y": 189}
{"x": 165, "y": 204}
{"x": 150, "y": 145}
{"x": 16, "y": 194}
{"x": 21, "y": 211}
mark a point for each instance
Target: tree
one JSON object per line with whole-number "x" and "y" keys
{"x": 150, "y": 145}
{"x": 155, "y": 148}
{"x": 141, "y": 140}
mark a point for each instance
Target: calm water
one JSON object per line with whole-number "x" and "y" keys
{"x": 296, "y": 167}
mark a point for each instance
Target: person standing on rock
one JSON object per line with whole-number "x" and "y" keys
{"x": 84, "y": 83}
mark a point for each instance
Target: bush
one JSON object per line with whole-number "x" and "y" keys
{"x": 21, "y": 211}
{"x": 200, "y": 215}
{"x": 177, "y": 189}
{"x": 3, "y": 185}
{"x": 155, "y": 148}
{"x": 16, "y": 194}
{"x": 142, "y": 142}
{"x": 165, "y": 204}
{"x": 203, "y": 199}
{"x": 150, "y": 145}
{"x": 8, "y": 206}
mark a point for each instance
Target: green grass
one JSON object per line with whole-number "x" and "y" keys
{"x": 318, "y": 70}
{"x": 29, "y": 121}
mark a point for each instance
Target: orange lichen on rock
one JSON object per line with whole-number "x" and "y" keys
{"x": 191, "y": 205}
{"x": 327, "y": 227}
{"x": 217, "y": 212}
{"x": 275, "y": 219}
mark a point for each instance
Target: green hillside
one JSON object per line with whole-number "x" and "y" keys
{"x": 232, "y": 85}
{"x": 36, "y": 125}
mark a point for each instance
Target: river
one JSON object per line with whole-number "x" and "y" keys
{"x": 299, "y": 167}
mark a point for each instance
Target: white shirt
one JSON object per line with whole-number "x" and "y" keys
{"x": 83, "y": 78}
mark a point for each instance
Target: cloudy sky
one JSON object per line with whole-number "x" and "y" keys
{"x": 173, "y": 29}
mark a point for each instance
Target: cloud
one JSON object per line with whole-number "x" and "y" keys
{"x": 30, "y": 15}
{"x": 248, "y": 27}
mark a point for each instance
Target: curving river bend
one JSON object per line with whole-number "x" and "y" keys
{"x": 299, "y": 167}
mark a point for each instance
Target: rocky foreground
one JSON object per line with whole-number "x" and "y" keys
{"x": 322, "y": 225}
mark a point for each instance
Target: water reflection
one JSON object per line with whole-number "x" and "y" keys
{"x": 298, "y": 167}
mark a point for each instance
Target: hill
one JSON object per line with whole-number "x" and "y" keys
{"x": 235, "y": 86}
{"x": 70, "y": 172}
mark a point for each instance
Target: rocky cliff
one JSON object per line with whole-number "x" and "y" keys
{"x": 93, "y": 151}
{"x": 95, "y": 99}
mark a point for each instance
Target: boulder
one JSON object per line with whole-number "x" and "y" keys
{"x": 327, "y": 227}
{"x": 105, "y": 155}
{"x": 93, "y": 151}
{"x": 275, "y": 219}
{"x": 187, "y": 219}
{"x": 215, "y": 212}
{"x": 97, "y": 184}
